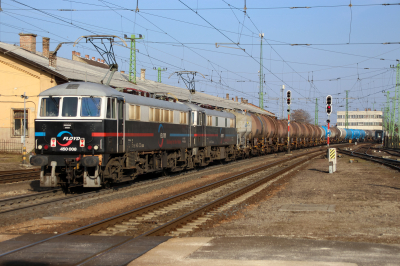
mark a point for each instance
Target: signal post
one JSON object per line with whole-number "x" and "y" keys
{"x": 288, "y": 96}
{"x": 328, "y": 112}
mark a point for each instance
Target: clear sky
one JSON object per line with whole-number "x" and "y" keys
{"x": 339, "y": 46}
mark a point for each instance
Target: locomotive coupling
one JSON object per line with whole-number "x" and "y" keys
{"x": 90, "y": 161}
{"x": 39, "y": 160}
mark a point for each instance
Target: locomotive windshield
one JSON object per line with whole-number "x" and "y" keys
{"x": 90, "y": 106}
{"x": 70, "y": 105}
{"x": 50, "y": 106}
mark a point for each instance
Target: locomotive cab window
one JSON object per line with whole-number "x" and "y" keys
{"x": 90, "y": 106}
{"x": 69, "y": 106}
{"x": 49, "y": 106}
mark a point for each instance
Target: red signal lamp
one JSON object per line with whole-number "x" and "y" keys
{"x": 328, "y": 109}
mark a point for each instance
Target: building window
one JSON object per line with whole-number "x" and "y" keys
{"x": 18, "y": 122}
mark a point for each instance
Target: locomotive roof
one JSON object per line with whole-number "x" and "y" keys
{"x": 99, "y": 90}
{"x": 209, "y": 111}
{"x": 81, "y": 89}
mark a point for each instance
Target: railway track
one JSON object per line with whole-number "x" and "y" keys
{"x": 395, "y": 164}
{"x": 56, "y": 197}
{"x": 19, "y": 175}
{"x": 181, "y": 213}
{"x": 42, "y": 201}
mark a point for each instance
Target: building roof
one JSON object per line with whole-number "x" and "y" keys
{"x": 70, "y": 70}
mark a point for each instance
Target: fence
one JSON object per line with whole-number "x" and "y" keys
{"x": 11, "y": 146}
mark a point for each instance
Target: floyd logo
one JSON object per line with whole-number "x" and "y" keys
{"x": 67, "y": 138}
{"x": 162, "y": 134}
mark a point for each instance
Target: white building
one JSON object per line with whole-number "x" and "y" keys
{"x": 367, "y": 120}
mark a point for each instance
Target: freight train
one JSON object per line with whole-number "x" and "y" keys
{"x": 93, "y": 135}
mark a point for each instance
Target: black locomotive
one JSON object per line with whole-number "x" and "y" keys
{"x": 91, "y": 134}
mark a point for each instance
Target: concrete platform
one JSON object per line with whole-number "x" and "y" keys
{"x": 243, "y": 251}
{"x": 71, "y": 250}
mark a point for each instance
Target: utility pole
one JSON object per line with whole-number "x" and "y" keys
{"x": 282, "y": 89}
{"x": 346, "y": 117}
{"x": 387, "y": 121}
{"x": 132, "y": 62}
{"x": 159, "y": 73}
{"x": 261, "y": 103}
{"x": 316, "y": 112}
{"x": 397, "y": 96}
{"x": 24, "y": 125}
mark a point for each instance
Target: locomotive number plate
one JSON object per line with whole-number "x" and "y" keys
{"x": 68, "y": 149}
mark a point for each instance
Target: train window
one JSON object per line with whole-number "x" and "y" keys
{"x": 110, "y": 108}
{"x": 199, "y": 119}
{"x": 120, "y": 109}
{"x": 232, "y": 122}
{"x": 183, "y": 118}
{"x": 90, "y": 106}
{"x": 216, "y": 121}
{"x": 49, "y": 106}
{"x": 134, "y": 112}
{"x": 226, "y": 122}
{"x": 165, "y": 115}
{"x": 151, "y": 114}
{"x": 209, "y": 120}
{"x": 192, "y": 118}
{"x": 157, "y": 115}
{"x": 70, "y": 106}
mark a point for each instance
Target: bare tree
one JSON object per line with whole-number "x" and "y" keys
{"x": 300, "y": 115}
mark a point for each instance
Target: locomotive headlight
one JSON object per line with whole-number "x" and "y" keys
{"x": 40, "y": 147}
{"x": 96, "y": 147}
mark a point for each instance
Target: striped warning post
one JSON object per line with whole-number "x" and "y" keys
{"x": 332, "y": 153}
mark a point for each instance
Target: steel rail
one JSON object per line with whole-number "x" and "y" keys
{"x": 24, "y": 198}
{"x": 388, "y": 162}
{"x": 19, "y": 175}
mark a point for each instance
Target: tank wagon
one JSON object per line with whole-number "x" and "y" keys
{"x": 94, "y": 135}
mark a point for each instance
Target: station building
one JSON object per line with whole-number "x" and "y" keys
{"x": 366, "y": 120}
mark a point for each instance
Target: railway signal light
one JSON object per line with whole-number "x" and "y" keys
{"x": 329, "y": 100}
{"x": 288, "y": 95}
{"x": 328, "y": 109}
{"x": 329, "y": 104}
